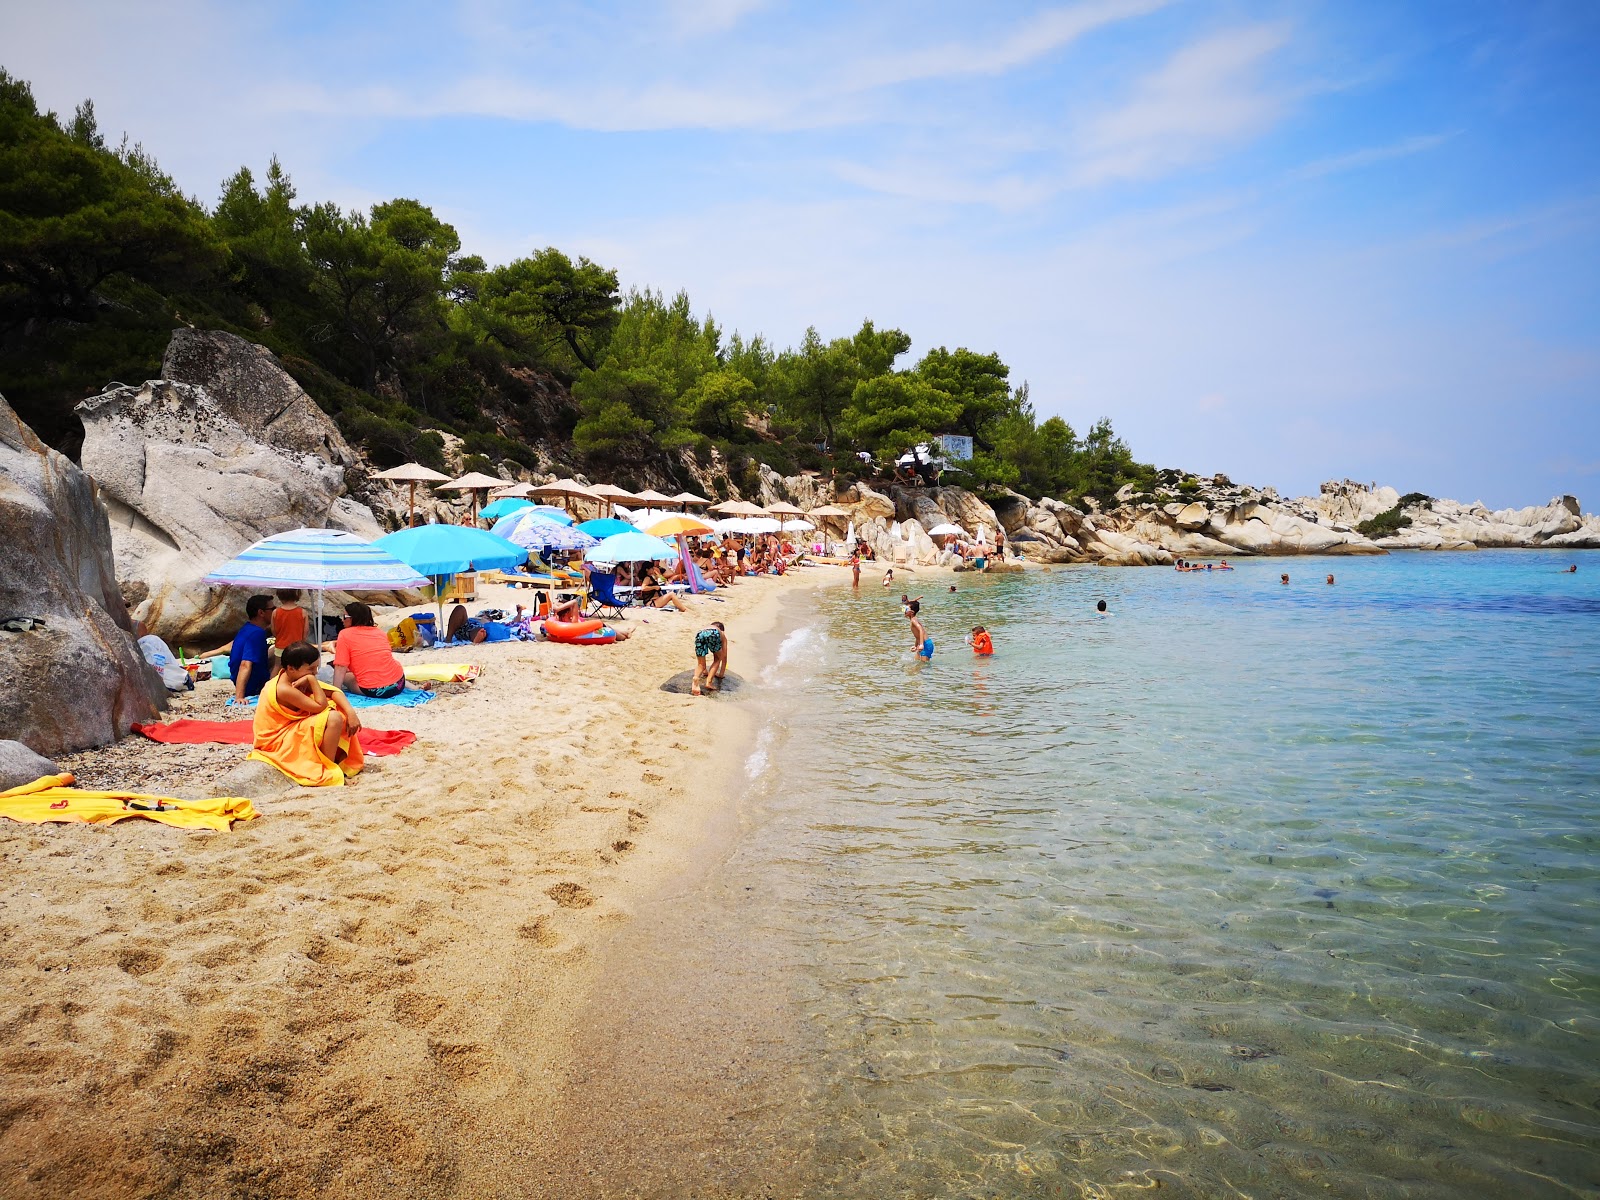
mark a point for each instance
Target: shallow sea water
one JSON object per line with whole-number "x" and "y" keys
{"x": 1242, "y": 890}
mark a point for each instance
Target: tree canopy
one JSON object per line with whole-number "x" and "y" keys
{"x": 400, "y": 334}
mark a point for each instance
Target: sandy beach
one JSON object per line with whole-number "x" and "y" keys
{"x": 370, "y": 991}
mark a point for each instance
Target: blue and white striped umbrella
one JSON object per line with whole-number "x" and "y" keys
{"x": 532, "y": 530}
{"x": 316, "y": 560}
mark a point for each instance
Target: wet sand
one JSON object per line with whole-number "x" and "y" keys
{"x": 383, "y": 989}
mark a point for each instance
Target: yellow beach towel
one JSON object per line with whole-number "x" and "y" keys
{"x": 52, "y": 798}
{"x": 442, "y": 672}
{"x": 292, "y": 742}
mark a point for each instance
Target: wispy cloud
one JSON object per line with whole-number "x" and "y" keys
{"x": 1358, "y": 159}
{"x": 1206, "y": 96}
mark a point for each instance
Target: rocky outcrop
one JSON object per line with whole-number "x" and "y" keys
{"x": 79, "y": 680}
{"x": 1449, "y": 525}
{"x": 246, "y": 382}
{"x": 188, "y": 487}
{"x": 20, "y": 765}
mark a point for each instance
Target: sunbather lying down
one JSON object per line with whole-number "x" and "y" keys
{"x": 304, "y": 728}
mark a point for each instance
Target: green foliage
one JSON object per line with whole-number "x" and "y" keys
{"x": 1419, "y": 499}
{"x": 892, "y": 413}
{"x": 1385, "y": 524}
{"x": 393, "y": 329}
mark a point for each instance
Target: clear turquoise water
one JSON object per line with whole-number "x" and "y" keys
{"x": 1243, "y": 890}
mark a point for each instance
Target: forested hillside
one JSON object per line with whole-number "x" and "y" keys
{"x": 398, "y": 332}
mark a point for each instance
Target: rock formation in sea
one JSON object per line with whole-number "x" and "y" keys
{"x": 192, "y": 473}
{"x": 1190, "y": 517}
{"x": 77, "y": 679}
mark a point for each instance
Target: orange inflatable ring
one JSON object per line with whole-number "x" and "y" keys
{"x": 570, "y": 631}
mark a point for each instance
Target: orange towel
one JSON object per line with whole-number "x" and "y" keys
{"x": 292, "y": 742}
{"x": 51, "y": 798}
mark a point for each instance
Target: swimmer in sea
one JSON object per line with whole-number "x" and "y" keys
{"x": 919, "y": 632}
{"x": 980, "y": 641}
{"x": 1283, "y": 579}
{"x": 1572, "y": 570}
{"x": 1330, "y": 580}
{"x": 1100, "y": 607}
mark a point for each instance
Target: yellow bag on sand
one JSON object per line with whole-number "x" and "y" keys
{"x": 52, "y": 798}
{"x": 404, "y": 635}
{"x": 442, "y": 672}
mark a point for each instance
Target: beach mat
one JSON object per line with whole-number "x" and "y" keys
{"x": 51, "y": 798}
{"x": 186, "y": 732}
{"x": 442, "y": 672}
{"x": 409, "y": 698}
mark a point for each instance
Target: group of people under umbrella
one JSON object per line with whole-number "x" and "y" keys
{"x": 319, "y": 560}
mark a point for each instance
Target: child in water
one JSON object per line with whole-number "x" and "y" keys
{"x": 980, "y": 641}
{"x": 919, "y": 632}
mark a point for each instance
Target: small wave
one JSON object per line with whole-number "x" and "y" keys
{"x": 788, "y": 649}
{"x": 760, "y": 757}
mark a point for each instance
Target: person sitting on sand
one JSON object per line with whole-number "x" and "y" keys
{"x": 710, "y": 658}
{"x": 980, "y": 641}
{"x": 304, "y": 728}
{"x": 249, "y": 660}
{"x": 288, "y": 619}
{"x": 653, "y": 594}
{"x": 362, "y": 659}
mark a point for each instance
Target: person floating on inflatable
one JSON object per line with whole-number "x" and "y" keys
{"x": 980, "y": 641}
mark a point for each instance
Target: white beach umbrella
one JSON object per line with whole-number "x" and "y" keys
{"x": 798, "y": 525}
{"x": 947, "y": 530}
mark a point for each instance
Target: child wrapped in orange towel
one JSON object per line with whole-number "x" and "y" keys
{"x": 306, "y": 729}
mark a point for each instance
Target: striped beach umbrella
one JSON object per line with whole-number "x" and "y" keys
{"x": 316, "y": 560}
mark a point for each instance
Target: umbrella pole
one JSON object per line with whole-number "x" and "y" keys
{"x": 411, "y": 508}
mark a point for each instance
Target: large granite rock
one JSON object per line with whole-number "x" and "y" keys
{"x": 81, "y": 680}
{"x": 187, "y": 488}
{"x": 246, "y": 382}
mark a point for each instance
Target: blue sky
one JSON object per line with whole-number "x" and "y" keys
{"x": 1289, "y": 241}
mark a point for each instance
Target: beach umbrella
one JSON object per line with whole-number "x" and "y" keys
{"x": 503, "y": 507}
{"x": 675, "y": 525}
{"x": 519, "y": 491}
{"x": 983, "y": 535}
{"x": 604, "y": 527}
{"x": 412, "y": 474}
{"x": 687, "y": 498}
{"x": 559, "y": 515}
{"x": 474, "y": 482}
{"x": 317, "y": 560}
{"x": 567, "y": 489}
{"x": 534, "y": 530}
{"x": 442, "y": 550}
{"x": 762, "y": 525}
{"x": 784, "y": 509}
{"x": 739, "y": 508}
{"x": 947, "y": 530}
{"x": 611, "y": 493}
{"x": 632, "y": 546}
{"x": 798, "y": 525}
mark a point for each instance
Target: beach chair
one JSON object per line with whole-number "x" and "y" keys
{"x": 606, "y": 601}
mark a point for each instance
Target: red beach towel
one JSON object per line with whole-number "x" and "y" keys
{"x": 377, "y": 742}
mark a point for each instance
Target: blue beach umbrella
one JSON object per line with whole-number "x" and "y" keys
{"x": 441, "y": 550}
{"x": 506, "y": 527}
{"x": 504, "y": 507}
{"x": 536, "y": 534}
{"x": 630, "y": 547}
{"x": 604, "y": 527}
{"x": 559, "y": 515}
{"x": 317, "y": 560}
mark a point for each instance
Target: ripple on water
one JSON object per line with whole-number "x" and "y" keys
{"x": 1242, "y": 890}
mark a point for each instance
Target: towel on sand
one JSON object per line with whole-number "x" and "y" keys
{"x": 292, "y": 742}
{"x": 376, "y": 742}
{"x": 52, "y": 798}
{"x": 442, "y": 672}
{"x": 409, "y": 698}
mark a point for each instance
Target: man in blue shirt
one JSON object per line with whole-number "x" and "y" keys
{"x": 250, "y": 662}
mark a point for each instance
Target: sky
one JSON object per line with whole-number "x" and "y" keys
{"x": 1286, "y": 240}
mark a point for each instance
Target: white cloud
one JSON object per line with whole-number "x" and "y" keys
{"x": 1206, "y": 96}
{"x": 1358, "y": 159}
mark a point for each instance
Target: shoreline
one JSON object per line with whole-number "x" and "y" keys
{"x": 376, "y": 989}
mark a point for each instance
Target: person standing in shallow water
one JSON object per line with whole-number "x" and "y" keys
{"x": 919, "y": 631}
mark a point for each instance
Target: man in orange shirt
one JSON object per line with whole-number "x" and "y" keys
{"x": 362, "y": 660}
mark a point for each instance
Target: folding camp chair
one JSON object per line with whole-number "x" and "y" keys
{"x": 606, "y": 601}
